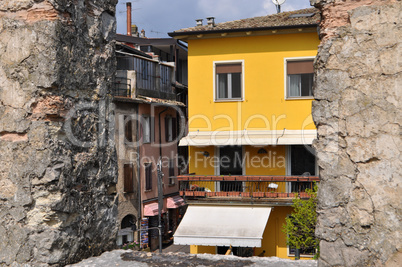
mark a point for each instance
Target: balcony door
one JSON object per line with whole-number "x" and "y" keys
{"x": 230, "y": 163}
{"x": 301, "y": 160}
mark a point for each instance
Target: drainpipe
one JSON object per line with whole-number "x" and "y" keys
{"x": 138, "y": 177}
{"x": 160, "y": 177}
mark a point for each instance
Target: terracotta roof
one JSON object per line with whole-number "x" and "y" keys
{"x": 291, "y": 19}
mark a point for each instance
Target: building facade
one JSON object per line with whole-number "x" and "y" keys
{"x": 148, "y": 118}
{"x": 250, "y": 131}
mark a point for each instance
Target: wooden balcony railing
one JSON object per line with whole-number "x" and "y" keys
{"x": 246, "y": 186}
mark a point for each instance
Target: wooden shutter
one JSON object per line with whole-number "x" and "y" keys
{"x": 228, "y": 68}
{"x": 148, "y": 176}
{"x": 300, "y": 67}
{"x": 128, "y": 178}
{"x": 128, "y": 128}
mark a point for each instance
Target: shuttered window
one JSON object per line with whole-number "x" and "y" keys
{"x": 128, "y": 129}
{"x": 128, "y": 178}
{"x": 299, "y": 78}
{"x": 148, "y": 176}
{"x": 228, "y": 81}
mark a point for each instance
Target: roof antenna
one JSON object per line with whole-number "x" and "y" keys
{"x": 278, "y": 4}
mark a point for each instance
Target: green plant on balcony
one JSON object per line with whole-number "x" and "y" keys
{"x": 300, "y": 225}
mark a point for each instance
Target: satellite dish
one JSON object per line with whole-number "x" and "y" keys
{"x": 278, "y": 4}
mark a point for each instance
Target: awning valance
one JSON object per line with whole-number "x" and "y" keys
{"x": 174, "y": 202}
{"x": 222, "y": 226}
{"x": 253, "y": 138}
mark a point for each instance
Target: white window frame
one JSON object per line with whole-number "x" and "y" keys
{"x": 146, "y": 131}
{"x": 229, "y": 93}
{"x": 290, "y": 59}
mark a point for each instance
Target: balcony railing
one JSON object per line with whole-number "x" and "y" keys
{"x": 246, "y": 186}
{"x": 153, "y": 79}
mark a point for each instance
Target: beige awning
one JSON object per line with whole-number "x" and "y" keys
{"x": 222, "y": 226}
{"x": 253, "y": 138}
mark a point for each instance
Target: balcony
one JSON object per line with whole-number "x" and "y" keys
{"x": 147, "y": 77}
{"x": 245, "y": 187}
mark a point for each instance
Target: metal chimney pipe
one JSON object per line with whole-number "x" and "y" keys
{"x": 128, "y": 18}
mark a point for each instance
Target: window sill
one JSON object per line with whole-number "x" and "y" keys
{"x": 149, "y": 190}
{"x": 300, "y": 98}
{"x": 170, "y": 185}
{"x": 229, "y": 100}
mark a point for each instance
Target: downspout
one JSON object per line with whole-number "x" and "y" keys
{"x": 139, "y": 211}
{"x": 160, "y": 177}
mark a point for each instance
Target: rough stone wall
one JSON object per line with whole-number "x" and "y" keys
{"x": 357, "y": 113}
{"x": 57, "y": 164}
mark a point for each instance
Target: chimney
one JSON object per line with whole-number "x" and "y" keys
{"x": 142, "y": 33}
{"x": 128, "y": 18}
{"x": 211, "y": 21}
{"x": 134, "y": 30}
{"x": 199, "y": 22}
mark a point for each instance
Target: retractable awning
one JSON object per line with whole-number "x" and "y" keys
{"x": 151, "y": 209}
{"x": 175, "y": 202}
{"x": 245, "y": 137}
{"x": 222, "y": 226}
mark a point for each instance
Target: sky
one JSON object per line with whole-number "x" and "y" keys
{"x": 158, "y": 17}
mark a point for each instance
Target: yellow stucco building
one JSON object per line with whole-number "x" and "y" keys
{"x": 250, "y": 130}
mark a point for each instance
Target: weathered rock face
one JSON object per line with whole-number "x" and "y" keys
{"x": 56, "y": 68}
{"x": 357, "y": 113}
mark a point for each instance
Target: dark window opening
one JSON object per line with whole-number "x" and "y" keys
{"x": 148, "y": 176}
{"x": 302, "y": 162}
{"x": 231, "y": 163}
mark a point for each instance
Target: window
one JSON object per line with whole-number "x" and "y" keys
{"x": 128, "y": 178}
{"x": 146, "y": 129}
{"x": 170, "y": 128}
{"x": 128, "y": 129}
{"x": 171, "y": 172}
{"x": 148, "y": 176}
{"x": 302, "y": 162}
{"x": 228, "y": 79}
{"x": 299, "y": 78}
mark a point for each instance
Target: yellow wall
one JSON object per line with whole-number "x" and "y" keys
{"x": 264, "y": 106}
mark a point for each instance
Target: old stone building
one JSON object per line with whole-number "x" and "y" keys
{"x": 358, "y": 117}
{"x": 58, "y": 168}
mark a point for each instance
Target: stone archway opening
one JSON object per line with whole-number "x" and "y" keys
{"x": 127, "y": 229}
